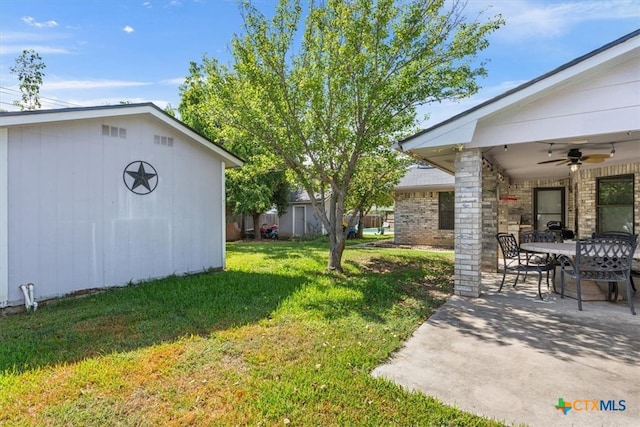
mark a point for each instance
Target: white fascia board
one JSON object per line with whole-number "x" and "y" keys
{"x": 453, "y": 133}
{"x": 228, "y": 159}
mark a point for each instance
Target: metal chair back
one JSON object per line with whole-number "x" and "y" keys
{"x": 605, "y": 258}
{"x": 508, "y": 245}
{"x": 536, "y": 236}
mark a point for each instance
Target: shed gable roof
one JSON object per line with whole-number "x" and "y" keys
{"x": 22, "y": 118}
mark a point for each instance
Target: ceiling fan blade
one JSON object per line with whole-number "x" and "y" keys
{"x": 592, "y": 159}
{"x": 552, "y": 161}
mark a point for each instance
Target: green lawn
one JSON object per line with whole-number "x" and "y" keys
{"x": 274, "y": 340}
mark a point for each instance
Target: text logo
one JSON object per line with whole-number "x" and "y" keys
{"x": 584, "y": 405}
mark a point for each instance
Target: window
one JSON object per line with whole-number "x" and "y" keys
{"x": 446, "y": 203}
{"x": 615, "y": 204}
{"x": 548, "y": 205}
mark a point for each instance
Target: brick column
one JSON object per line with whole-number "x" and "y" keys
{"x": 468, "y": 223}
{"x": 489, "y": 220}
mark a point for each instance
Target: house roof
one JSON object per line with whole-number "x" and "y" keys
{"x": 524, "y": 86}
{"x": 301, "y": 196}
{"x": 425, "y": 177}
{"x": 591, "y": 100}
{"x": 21, "y": 118}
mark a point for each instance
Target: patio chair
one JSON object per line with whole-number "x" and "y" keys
{"x": 624, "y": 235}
{"x": 600, "y": 259}
{"x": 541, "y": 236}
{"x": 516, "y": 261}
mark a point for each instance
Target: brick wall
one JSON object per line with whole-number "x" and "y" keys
{"x": 523, "y": 192}
{"x": 416, "y": 220}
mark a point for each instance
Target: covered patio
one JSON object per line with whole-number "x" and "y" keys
{"x": 555, "y": 148}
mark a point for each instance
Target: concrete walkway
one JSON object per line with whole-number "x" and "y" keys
{"x": 510, "y": 357}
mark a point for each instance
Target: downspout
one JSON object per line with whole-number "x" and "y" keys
{"x": 29, "y": 298}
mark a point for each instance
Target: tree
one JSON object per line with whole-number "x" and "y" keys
{"x": 325, "y": 97}
{"x": 29, "y": 68}
{"x": 262, "y": 183}
{"x": 374, "y": 182}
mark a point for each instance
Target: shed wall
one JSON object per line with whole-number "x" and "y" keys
{"x": 73, "y": 224}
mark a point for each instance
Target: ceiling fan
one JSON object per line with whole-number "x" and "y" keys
{"x": 575, "y": 157}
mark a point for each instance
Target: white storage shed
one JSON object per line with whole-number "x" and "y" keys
{"x": 104, "y": 196}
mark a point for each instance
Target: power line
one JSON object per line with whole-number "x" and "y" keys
{"x": 55, "y": 102}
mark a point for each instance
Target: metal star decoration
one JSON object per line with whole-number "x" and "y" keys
{"x": 141, "y": 177}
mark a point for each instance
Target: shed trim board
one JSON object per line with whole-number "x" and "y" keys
{"x": 223, "y": 216}
{"x": 4, "y": 222}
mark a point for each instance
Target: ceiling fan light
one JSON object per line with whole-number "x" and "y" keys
{"x": 574, "y": 167}
{"x": 613, "y": 151}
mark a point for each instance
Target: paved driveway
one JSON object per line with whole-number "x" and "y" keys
{"x": 511, "y": 357}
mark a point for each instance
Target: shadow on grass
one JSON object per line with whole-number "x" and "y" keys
{"x": 136, "y": 316}
{"x": 414, "y": 286}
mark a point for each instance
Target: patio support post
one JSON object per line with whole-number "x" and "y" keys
{"x": 468, "y": 222}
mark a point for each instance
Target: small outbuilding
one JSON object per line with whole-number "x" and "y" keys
{"x": 300, "y": 219}
{"x": 105, "y": 196}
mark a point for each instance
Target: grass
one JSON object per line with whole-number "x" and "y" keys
{"x": 274, "y": 340}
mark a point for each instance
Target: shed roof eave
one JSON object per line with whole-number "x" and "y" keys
{"x": 66, "y": 114}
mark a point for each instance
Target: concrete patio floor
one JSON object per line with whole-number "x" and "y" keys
{"x": 510, "y": 357}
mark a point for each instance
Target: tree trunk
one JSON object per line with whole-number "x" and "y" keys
{"x": 256, "y": 227}
{"x": 360, "y": 224}
{"x": 336, "y": 248}
{"x": 337, "y": 233}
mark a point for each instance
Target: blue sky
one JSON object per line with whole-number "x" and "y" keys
{"x": 100, "y": 52}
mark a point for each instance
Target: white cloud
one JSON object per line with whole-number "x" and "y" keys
{"x": 147, "y": 4}
{"x": 173, "y": 82}
{"x": 128, "y": 29}
{"x": 29, "y": 20}
{"x": 14, "y": 42}
{"x": 90, "y": 84}
{"x": 17, "y": 49}
{"x": 529, "y": 19}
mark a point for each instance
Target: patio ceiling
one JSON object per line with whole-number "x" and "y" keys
{"x": 521, "y": 160}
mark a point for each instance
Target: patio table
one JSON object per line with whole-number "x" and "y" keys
{"x": 564, "y": 248}
{"x": 568, "y": 249}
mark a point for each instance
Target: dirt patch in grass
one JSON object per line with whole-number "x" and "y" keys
{"x": 435, "y": 283}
